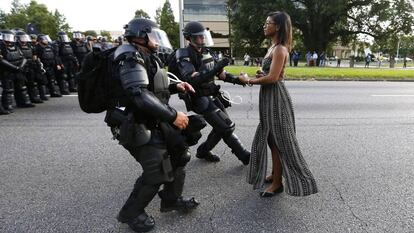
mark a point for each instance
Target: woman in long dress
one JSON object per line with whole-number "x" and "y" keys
{"x": 277, "y": 122}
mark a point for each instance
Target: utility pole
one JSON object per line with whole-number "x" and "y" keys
{"x": 181, "y": 22}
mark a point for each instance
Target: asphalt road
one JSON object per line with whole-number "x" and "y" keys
{"x": 61, "y": 172}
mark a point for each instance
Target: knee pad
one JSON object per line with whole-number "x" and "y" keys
{"x": 220, "y": 121}
{"x": 156, "y": 165}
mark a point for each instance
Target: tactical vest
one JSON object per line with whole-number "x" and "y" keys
{"x": 161, "y": 85}
{"x": 65, "y": 50}
{"x": 27, "y": 52}
{"x": 80, "y": 49}
{"x": 14, "y": 55}
{"x": 47, "y": 55}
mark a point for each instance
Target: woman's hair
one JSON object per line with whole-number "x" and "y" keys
{"x": 282, "y": 20}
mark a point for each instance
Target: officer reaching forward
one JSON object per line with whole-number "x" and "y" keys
{"x": 147, "y": 113}
{"x": 198, "y": 66}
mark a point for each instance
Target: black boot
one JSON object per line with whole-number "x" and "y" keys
{"x": 64, "y": 87}
{"x": 3, "y": 111}
{"x": 204, "y": 150}
{"x": 22, "y": 98}
{"x": 140, "y": 197}
{"x": 237, "y": 148}
{"x": 42, "y": 92}
{"x": 142, "y": 223}
{"x": 72, "y": 85}
{"x": 7, "y": 100}
{"x": 180, "y": 204}
{"x": 34, "y": 94}
{"x": 54, "y": 90}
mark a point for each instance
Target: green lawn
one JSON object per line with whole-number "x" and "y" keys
{"x": 331, "y": 73}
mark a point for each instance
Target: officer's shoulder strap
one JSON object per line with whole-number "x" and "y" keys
{"x": 127, "y": 51}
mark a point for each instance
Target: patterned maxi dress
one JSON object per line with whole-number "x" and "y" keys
{"x": 277, "y": 123}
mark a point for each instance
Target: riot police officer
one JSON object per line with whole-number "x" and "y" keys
{"x": 198, "y": 66}
{"x": 69, "y": 62}
{"x": 2, "y": 110}
{"x": 14, "y": 81}
{"x": 79, "y": 46}
{"x": 47, "y": 56}
{"x": 149, "y": 120}
{"x": 23, "y": 41}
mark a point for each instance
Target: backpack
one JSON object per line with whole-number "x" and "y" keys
{"x": 95, "y": 81}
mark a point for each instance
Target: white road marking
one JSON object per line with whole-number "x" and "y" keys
{"x": 392, "y": 95}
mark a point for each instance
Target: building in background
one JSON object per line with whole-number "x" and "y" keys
{"x": 213, "y": 15}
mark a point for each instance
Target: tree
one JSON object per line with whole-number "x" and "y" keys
{"x": 141, "y": 14}
{"x": 165, "y": 18}
{"x": 322, "y": 22}
{"x": 91, "y": 33}
{"x": 107, "y": 34}
{"x": 46, "y": 22}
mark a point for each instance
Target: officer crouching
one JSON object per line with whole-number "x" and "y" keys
{"x": 145, "y": 123}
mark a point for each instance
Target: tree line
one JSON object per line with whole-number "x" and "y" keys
{"x": 318, "y": 24}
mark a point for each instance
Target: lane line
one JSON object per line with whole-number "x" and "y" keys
{"x": 392, "y": 95}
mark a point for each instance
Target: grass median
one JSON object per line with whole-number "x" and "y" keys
{"x": 331, "y": 73}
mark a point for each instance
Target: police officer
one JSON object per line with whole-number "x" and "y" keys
{"x": 149, "y": 120}
{"x": 69, "y": 64}
{"x": 13, "y": 64}
{"x": 23, "y": 41}
{"x": 47, "y": 56}
{"x": 198, "y": 66}
{"x": 2, "y": 110}
{"x": 40, "y": 72}
{"x": 79, "y": 46}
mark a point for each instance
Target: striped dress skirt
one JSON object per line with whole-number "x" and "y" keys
{"x": 277, "y": 125}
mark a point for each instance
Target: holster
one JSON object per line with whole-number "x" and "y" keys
{"x": 132, "y": 133}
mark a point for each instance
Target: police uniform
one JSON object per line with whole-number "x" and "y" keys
{"x": 208, "y": 101}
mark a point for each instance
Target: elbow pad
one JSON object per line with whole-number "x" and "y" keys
{"x": 133, "y": 76}
{"x": 146, "y": 101}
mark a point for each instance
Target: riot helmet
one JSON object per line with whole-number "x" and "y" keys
{"x": 22, "y": 37}
{"x": 63, "y": 37}
{"x": 44, "y": 39}
{"x": 147, "y": 30}
{"x": 1, "y": 37}
{"x": 8, "y": 36}
{"x": 194, "y": 29}
{"x": 78, "y": 35}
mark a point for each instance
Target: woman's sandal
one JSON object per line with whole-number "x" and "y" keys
{"x": 271, "y": 194}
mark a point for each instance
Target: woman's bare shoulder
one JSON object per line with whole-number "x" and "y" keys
{"x": 281, "y": 48}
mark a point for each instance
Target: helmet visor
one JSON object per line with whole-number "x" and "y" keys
{"x": 45, "y": 38}
{"x": 64, "y": 38}
{"x": 8, "y": 37}
{"x": 160, "y": 37}
{"x": 208, "y": 39}
{"x": 77, "y": 35}
{"x": 24, "y": 38}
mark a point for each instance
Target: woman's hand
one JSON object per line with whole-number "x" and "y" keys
{"x": 185, "y": 87}
{"x": 259, "y": 74}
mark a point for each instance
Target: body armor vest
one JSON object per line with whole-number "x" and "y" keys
{"x": 65, "y": 50}
{"x": 47, "y": 55}
{"x": 27, "y": 52}
{"x": 14, "y": 55}
{"x": 161, "y": 84}
{"x": 80, "y": 48}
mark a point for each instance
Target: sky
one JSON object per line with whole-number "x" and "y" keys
{"x": 82, "y": 15}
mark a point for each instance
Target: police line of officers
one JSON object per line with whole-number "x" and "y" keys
{"x": 32, "y": 66}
